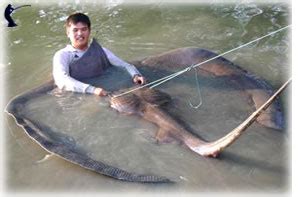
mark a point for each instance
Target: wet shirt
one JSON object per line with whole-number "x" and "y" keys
{"x": 66, "y": 56}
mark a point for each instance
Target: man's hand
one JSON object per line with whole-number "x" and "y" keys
{"x": 138, "y": 79}
{"x": 100, "y": 92}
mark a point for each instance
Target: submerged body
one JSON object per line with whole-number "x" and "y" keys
{"x": 149, "y": 104}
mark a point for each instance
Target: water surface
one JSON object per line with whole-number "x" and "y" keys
{"x": 257, "y": 162}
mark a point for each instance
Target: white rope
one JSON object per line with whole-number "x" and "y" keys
{"x": 169, "y": 77}
{"x": 199, "y": 93}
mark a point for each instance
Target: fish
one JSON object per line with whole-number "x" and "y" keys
{"x": 150, "y": 105}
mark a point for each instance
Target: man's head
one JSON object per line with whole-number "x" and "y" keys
{"x": 78, "y": 28}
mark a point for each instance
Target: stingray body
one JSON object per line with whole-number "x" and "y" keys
{"x": 150, "y": 105}
{"x": 150, "y": 108}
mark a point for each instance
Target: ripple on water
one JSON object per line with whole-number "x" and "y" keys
{"x": 246, "y": 11}
{"x": 42, "y": 13}
{"x": 18, "y": 41}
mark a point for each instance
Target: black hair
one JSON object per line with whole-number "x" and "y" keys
{"x": 78, "y": 17}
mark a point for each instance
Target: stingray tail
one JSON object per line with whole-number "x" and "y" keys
{"x": 214, "y": 148}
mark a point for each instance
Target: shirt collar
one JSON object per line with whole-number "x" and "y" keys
{"x": 72, "y": 49}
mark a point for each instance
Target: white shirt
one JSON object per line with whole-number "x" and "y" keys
{"x": 67, "y": 55}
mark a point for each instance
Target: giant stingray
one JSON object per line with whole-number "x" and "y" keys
{"x": 148, "y": 104}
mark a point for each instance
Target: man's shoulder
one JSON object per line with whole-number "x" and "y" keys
{"x": 64, "y": 51}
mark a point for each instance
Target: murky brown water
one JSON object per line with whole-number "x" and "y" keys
{"x": 257, "y": 162}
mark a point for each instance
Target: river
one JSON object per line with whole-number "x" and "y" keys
{"x": 258, "y": 162}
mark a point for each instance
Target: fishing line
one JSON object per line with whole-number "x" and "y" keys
{"x": 21, "y": 6}
{"x": 199, "y": 92}
{"x": 169, "y": 77}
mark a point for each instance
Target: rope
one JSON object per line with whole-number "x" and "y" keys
{"x": 199, "y": 92}
{"x": 169, "y": 77}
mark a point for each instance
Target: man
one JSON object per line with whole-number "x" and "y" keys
{"x": 7, "y": 14}
{"x": 82, "y": 60}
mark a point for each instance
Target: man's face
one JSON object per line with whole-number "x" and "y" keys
{"x": 79, "y": 34}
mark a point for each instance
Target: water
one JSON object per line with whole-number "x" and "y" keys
{"x": 257, "y": 162}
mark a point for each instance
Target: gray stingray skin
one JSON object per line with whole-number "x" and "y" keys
{"x": 256, "y": 87}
